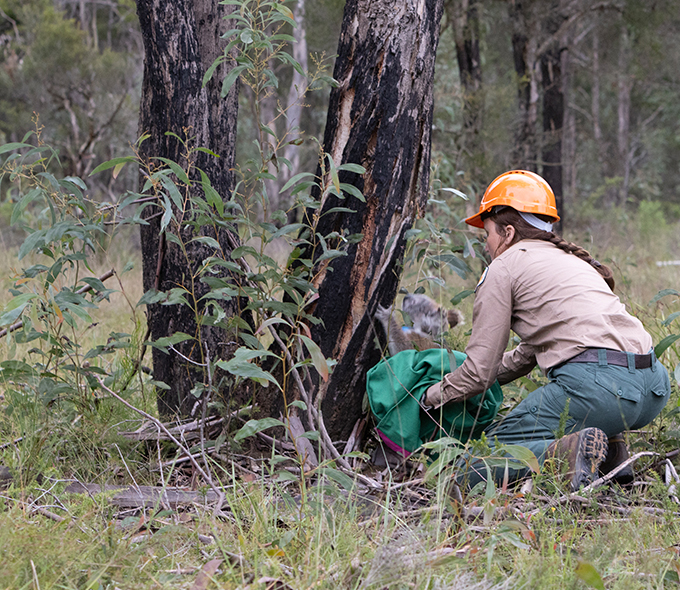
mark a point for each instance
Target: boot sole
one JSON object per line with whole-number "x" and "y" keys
{"x": 592, "y": 451}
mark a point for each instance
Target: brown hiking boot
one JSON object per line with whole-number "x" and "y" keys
{"x": 583, "y": 451}
{"x": 617, "y": 454}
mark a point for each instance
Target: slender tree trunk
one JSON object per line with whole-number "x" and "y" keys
{"x": 287, "y": 125}
{"x": 464, "y": 17}
{"x": 553, "y": 107}
{"x": 380, "y": 116}
{"x": 625, "y": 87}
{"x": 524, "y": 47}
{"x": 568, "y": 136}
{"x": 181, "y": 40}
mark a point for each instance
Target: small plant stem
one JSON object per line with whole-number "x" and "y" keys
{"x": 312, "y": 412}
{"x": 208, "y": 479}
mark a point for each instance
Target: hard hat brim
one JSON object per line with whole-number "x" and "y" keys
{"x": 476, "y": 220}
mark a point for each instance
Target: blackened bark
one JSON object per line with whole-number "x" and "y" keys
{"x": 380, "y": 116}
{"x": 181, "y": 40}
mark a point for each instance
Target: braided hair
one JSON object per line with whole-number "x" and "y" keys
{"x": 504, "y": 216}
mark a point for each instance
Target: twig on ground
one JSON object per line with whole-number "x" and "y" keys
{"x": 48, "y": 514}
{"x": 604, "y": 479}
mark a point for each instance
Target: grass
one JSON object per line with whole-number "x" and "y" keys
{"x": 273, "y": 533}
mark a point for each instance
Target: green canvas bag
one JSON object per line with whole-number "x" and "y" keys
{"x": 395, "y": 387}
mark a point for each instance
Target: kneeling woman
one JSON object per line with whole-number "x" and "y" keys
{"x": 559, "y": 300}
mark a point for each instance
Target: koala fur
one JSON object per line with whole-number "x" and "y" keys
{"x": 429, "y": 323}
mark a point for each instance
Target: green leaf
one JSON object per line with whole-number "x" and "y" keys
{"x": 176, "y": 338}
{"x": 112, "y": 164}
{"x": 254, "y": 426}
{"x": 661, "y": 294}
{"x": 356, "y": 168}
{"x": 455, "y": 192}
{"x": 460, "y": 296}
{"x": 240, "y": 366}
{"x": 26, "y": 200}
{"x": 456, "y": 264}
{"x": 318, "y": 359}
{"x": 211, "y": 70}
{"x": 352, "y": 190}
{"x": 338, "y": 477}
{"x": 230, "y": 78}
{"x": 295, "y": 179}
{"x": 167, "y": 214}
{"x": 212, "y": 197}
{"x": 15, "y": 307}
{"x": 670, "y": 318}
{"x": 523, "y": 454}
{"x": 177, "y": 170}
{"x": 298, "y": 403}
{"x": 208, "y": 241}
{"x": 660, "y": 348}
{"x": 174, "y": 193}
{"x": 587, "y": 572}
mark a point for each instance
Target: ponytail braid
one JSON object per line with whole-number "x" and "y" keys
{"x": 525, "y": 231}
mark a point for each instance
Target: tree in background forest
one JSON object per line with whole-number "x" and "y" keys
{"x": 591, "y": 110}
{"x": 75, "y": 65}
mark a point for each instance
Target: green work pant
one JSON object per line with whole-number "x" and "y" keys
{"x": 609, "y": 397}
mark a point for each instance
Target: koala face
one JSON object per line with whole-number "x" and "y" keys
{"x": 426, "y": 315}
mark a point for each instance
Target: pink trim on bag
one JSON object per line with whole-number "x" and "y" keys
{"x": 392, "y": 445}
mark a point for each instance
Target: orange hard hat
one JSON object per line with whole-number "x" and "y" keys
{"x": 520, "y": 189}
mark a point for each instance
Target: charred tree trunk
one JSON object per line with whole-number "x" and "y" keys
{"x": 380, "y": 116}
{"x": 181, "y": 40}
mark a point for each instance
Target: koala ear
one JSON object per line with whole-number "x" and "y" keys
{"x": 454, "y": 317}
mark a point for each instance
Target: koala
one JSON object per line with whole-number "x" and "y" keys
{"x": 429, "y": 323}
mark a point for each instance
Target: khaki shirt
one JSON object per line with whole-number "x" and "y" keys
{"x": 558, "y": 304}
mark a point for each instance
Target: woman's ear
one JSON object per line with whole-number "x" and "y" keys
{"x": 509, "y": 235}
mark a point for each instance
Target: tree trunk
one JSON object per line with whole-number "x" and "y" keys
{"x": 181, "y": 40}
{"x": 380, "y": 116}
{"x": 464, "y": 17}
{"x": 524, "y": 50}
{"x": 553, "y": 107}
{"x": 287, "y": 127}
{"x": 625, "y": 87}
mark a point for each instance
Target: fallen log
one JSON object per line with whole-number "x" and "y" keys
{"x": 145, "y": 496}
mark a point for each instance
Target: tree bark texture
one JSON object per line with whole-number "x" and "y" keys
{"x": 463, "y": 15}
{"x": 524, "y": 50}
{"x": 181, "y": 40}
{"x": 380, "y": 116}
{"x": 553, "y": 105}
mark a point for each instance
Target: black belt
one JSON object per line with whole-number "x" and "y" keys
{"x": 614, "y": 357}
